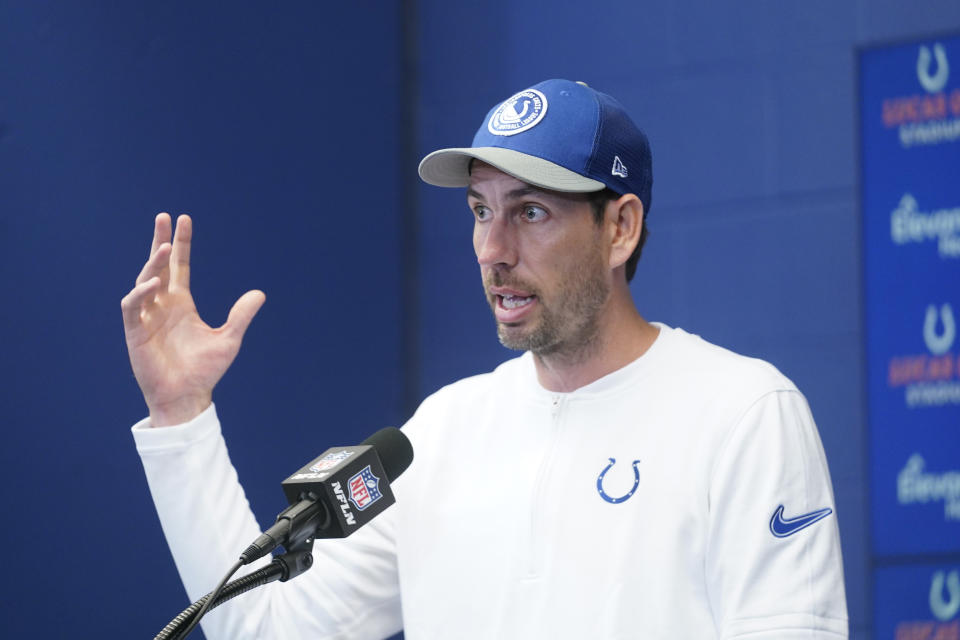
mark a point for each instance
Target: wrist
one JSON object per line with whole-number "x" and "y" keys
{"x": 179, "y": 411}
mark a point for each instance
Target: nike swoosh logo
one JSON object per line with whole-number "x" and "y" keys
{"x": 782, "y": 527}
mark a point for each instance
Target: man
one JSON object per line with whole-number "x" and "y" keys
{"x": 647, "y": 484}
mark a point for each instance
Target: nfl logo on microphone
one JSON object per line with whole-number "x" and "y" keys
{"x": 364, "y": 489}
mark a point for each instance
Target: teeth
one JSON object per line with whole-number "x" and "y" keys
{"x": 512, "y": 302}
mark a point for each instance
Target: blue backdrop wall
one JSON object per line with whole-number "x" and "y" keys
{"x": 277, "y": 131}
{"x": 289, "y": 136}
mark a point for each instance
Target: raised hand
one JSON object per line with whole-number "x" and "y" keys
{"x": 177, "y": 358}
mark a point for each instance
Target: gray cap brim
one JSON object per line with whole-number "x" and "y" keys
{"x": 450, "y": 168}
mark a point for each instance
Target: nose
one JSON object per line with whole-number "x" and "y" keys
{"x": 494, "y": 243}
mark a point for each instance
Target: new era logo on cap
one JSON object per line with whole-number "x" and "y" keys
{"x": 619, "y": 169}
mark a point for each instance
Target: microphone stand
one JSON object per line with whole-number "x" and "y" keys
{"x": 294, "y": 529}
{"x": 284, "y": 567}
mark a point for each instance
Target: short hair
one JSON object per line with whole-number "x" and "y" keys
{"x": 598, "y": 202}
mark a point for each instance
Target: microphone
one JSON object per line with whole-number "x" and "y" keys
{"x": 336, "y": 493}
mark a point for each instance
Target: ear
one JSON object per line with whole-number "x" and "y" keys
{"x": 625, "y": 217}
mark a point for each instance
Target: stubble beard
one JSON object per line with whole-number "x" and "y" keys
{"x": 568, "y": 327}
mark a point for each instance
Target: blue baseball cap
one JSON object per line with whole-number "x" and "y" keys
{"x": 558, "y": 135}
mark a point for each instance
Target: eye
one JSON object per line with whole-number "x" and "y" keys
{"x": 481, "y": 212}
{"x": 533, "y": 213}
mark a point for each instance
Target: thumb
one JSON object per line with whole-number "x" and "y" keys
{"x": 243, "y": 311}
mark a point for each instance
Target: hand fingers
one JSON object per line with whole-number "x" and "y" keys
{"x": 161, "y": 231}
{"x": 135, "y": 301}
{"x": 180, "y": 256}
{"x": 243, "y": 311}
{"x": 157, "y": 265}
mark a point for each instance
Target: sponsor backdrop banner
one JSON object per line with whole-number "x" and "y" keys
{"x": 910, "y": 133}
{"x": 920, "y": 602}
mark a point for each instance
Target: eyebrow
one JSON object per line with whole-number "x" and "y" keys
{"x": 515, "y": 194}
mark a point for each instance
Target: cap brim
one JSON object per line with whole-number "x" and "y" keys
{"x": 450, "y": 168}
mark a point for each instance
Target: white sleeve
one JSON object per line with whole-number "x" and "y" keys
{"x": 772, "y": 572}
{"x": 351, "y": 591}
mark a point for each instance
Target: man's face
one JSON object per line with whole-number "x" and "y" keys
{"x": 545, "y": 270}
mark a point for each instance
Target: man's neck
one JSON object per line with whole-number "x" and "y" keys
{"x": 622, "y": 337}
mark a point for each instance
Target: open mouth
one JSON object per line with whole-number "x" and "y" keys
{"x": 513, "y": 307}
{"x": 514, "y": 302}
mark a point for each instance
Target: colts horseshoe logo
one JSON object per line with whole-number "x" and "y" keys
{"x": 933, "y": 82}
{"x": 941, "y": 608}
{"x": 939, "y": 343}
{"x": 626, "y": 496}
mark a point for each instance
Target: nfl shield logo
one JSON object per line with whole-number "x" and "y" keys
{"x": 364, "y": 489}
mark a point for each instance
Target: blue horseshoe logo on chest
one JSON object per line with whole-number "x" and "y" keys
{"x": 626, "y": 496}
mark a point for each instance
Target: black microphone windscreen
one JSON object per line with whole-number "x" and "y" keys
{"x": 394, "y": 450}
